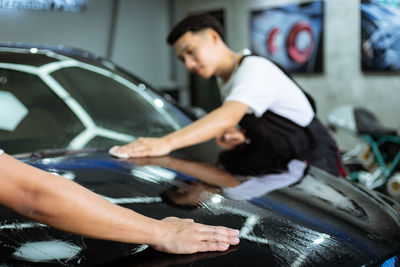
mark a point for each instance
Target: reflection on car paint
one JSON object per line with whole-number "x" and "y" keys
{"x": 255, "y": 186}
{"x": 394, "y": 261}
{"x": 20, "y": 226}
{"x": 131, "y": 200}
{"x": 46, "y": 251}
{"x": 291, "y": 244}
{"x": 16, "y": 111}
{"x": 68, "y": 175}
{"x": 298, "y": 244}
{"x": 153, "y": 174}
{"x": 314, "y": 190}
{"x": 325, "y": 193}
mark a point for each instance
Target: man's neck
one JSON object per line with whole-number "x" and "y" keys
{"x": 228, "y": 65}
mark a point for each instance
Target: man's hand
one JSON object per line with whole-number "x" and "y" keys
{"x": 143, "y": 147}
{"x": 184, "y": 236}
{"x": 204, "y": 129}
{"x": 231, "y": 138}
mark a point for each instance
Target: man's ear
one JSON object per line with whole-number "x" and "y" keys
{"x": 214, "y": 36}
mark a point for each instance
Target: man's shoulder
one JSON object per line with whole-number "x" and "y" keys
{"x": 256, "y": 66}
{"x": 257, "y": 61}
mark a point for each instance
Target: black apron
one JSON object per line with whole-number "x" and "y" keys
{"x": 275, "y": 140}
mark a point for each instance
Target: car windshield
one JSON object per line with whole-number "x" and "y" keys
{"x": 67, "y": 103}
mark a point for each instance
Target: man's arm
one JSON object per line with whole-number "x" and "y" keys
{"x": 200, "y": 170}
{"x": 210, "y": 126}
{"x": 64, "y": 204}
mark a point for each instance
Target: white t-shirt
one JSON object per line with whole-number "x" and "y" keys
{"x": 1, "y": 151}
{"x": 260, "y": 185}
{"x": 262, "y": 86}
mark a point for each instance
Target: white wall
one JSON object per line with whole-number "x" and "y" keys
{"x": 139, "y": 44}
{"x": 87, "y": 30}
{"x": 342, "y": 81}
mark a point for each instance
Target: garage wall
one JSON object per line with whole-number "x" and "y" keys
{"x": 342, "y": 81}
{"x": 141, "y": 29}
{"x": 88, "y": 30}
{"x": 139, "y": 36}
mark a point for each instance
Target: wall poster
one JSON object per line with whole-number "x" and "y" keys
{"x": 380, "y": 35}
{"x": 290, "y": 36}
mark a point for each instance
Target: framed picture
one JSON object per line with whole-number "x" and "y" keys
{"x": 380, "y": 35}
{"x": 290, "y": 36}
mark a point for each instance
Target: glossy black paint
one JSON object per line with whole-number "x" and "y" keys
{"x": 320, "y": 220}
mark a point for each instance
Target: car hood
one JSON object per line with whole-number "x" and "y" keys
{"x": 317, "y": 219}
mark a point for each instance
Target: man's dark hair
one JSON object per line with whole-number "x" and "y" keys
{"x": 194, "y": 23}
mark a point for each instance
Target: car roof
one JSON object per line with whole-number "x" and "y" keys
{"x": 60, "y": 49}
{"x": 40, "y": 54}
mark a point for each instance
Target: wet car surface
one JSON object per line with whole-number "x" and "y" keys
{"x": 309, "y": 219}
{"x": 319, "y": 220}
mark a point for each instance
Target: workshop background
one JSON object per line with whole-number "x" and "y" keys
{"x": 132, "y": 34}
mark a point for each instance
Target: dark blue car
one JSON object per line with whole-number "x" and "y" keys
{"x": 61, "y": 109}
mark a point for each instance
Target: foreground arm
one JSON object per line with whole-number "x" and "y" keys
{"x": 68, "y": 206}
{"x": 212, "y": 125}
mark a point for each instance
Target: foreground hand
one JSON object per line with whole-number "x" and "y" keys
{"x": 145, "y": 147}
{"x": 184, "y": 236}
{"x": 231, "y": 138}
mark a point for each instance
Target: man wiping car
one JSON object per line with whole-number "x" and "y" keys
{"x": 265, "y": 120}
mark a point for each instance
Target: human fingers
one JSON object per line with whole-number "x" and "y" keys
{"x": 212, "y": 236}
{"x": 212, "y": 233}
{"x": 123, "y": 151}
{"x": 215, "y": 238}
{"x": 185, "y": 236}
{"x": 145, "y": 151}
{"x": 210, "y": 246}
{"x": 129, "y": 151}
{"x": 229, "y": 139}
{"x": 234, "y": 137}
{"x": 128, "y": 147}
{"x": 220, "y": 141}
{"x": 218, "y": 229}
{"x": 144, "y": 147}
